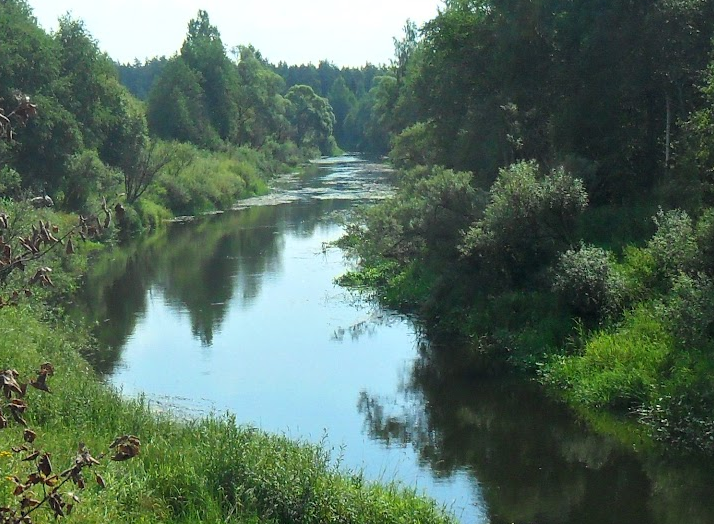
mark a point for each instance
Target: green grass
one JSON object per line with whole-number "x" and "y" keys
{"x": 619, "y": 367}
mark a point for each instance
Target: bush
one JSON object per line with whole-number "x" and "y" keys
{"x": 618, "y": 368}
{"x": 10, "y": 182}
{"x": 688, "y": 311}
{"x": 424, "y": 219}
{"x": 414, "y": 146}
{"x": 151, "y": 214}
{"x": 529, "y": 220}
{"x": 586, "y": 280}
{"x": 705, "y": 241}
{"x": 673, "y": 246}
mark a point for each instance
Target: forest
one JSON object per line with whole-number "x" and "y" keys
{"x": 172, "y": 136}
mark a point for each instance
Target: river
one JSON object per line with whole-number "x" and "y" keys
{"x": 239, "y": 312}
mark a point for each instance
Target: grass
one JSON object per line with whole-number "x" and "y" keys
{"x": 618, "y": 367}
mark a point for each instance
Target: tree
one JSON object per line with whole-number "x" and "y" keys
{"x": 530, "y": 219}
{"x": 312, "y": 117}
{"x": 343, "y": 102}
{"x": 142, "y": 165}
{"x": 204, "y": 53}
{"x": 177, "y": 108}
{"x": 89, "y": 89}
{"x": 261, "y": 109}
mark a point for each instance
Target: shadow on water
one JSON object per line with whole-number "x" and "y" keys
{"x": 534, "y": 462}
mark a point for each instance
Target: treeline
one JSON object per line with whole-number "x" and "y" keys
{"x": 210, "y": 129}
{"x": 357, "y": 96}
{"x": 555, "y": 198}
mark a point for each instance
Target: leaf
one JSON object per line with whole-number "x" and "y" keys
{"x": 28, "y": 502}
{"x": 29, "y": 436}
{"x": 44, "y": 465}
{"x": 31, "y": 456}
{"x": 100, "y": 481}
{"x": 9, "y": 384}
{"x": 56, "y": 503}
{"x": 127, "y": 446}
{"x": 41, "y": 383}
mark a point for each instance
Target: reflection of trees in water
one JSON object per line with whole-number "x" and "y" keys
{"x": 533, "y": 462}
{"x": 201, "y": 267}
{"x": 366, "y": 327}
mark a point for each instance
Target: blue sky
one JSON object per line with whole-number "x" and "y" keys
{"x": 347, "y": 33}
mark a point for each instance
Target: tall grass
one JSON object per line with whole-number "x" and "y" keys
{"x": 618, "y": 367}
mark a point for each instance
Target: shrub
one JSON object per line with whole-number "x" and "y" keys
{"x": 705, "y": 241}
{"x": 87, "y": 180}
{"x": 673, "y": 246}
{"x": 151, "y": 214}
{"x": 688, "y": 311}
{"x": 529, "y": 220}
{"x": 10, "y": 182}
{"x": 414, "y": 146}
{"x": 585, "y": 279}
{"x": 618, "y": 368}
{"x": 424, "y": 219}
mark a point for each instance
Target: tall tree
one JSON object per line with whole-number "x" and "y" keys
{"x": 203, "y": 52}
{"x": 312, "y": 117}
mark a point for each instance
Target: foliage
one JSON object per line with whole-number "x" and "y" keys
{"x": 87, "y": 175}
{"x": 528, "y": 221}
{"x": 587, "y": 280}
{"x": 619, "y": 367}
{"x": 194, "y": 180}
{"x": 139, "y": 77}
{"x": 42, "y": 475}
{"x": 313, "y": 117}
{"x": 673, "y": 247}
{"x": 688, "y": 311}
{"x": 413, "y": 147}
{"x": 424, "y": 219}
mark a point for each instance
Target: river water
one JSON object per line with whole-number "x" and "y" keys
{"x": 239, "y": 312}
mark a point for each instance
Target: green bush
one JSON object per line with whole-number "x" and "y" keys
{"x": 530, "y": 219}
{"x": 640, "y": 271}
{"x": 151, "y": 214}
{"x": 10, "y": 182}
{"x": 688, "y": 311}
{"x": 705, "y": 241}
{"x": 673, "y": 246}
{"x": 413, "y": 147}
{"x": 424, "y": 219}
{"x": 587, "y": 281}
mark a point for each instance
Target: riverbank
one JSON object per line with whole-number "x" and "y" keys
{"x": 205, "y": 470}
{"x": 609, "y": 317}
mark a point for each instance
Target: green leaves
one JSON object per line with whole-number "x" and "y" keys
{"x": 531, "y": 218}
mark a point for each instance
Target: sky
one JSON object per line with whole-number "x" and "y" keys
{"x": 344, "y": 32}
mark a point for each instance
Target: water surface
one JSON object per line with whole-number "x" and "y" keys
{"x": 239, "y": 312}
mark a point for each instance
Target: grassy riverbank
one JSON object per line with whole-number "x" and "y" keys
{"x": 207, "y": 470}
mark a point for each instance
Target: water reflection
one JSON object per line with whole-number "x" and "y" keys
{"x": 199, "y": 268}
{"x": 534, "y": 462}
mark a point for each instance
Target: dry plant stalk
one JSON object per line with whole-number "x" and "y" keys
{"x": 43, "y": 485}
